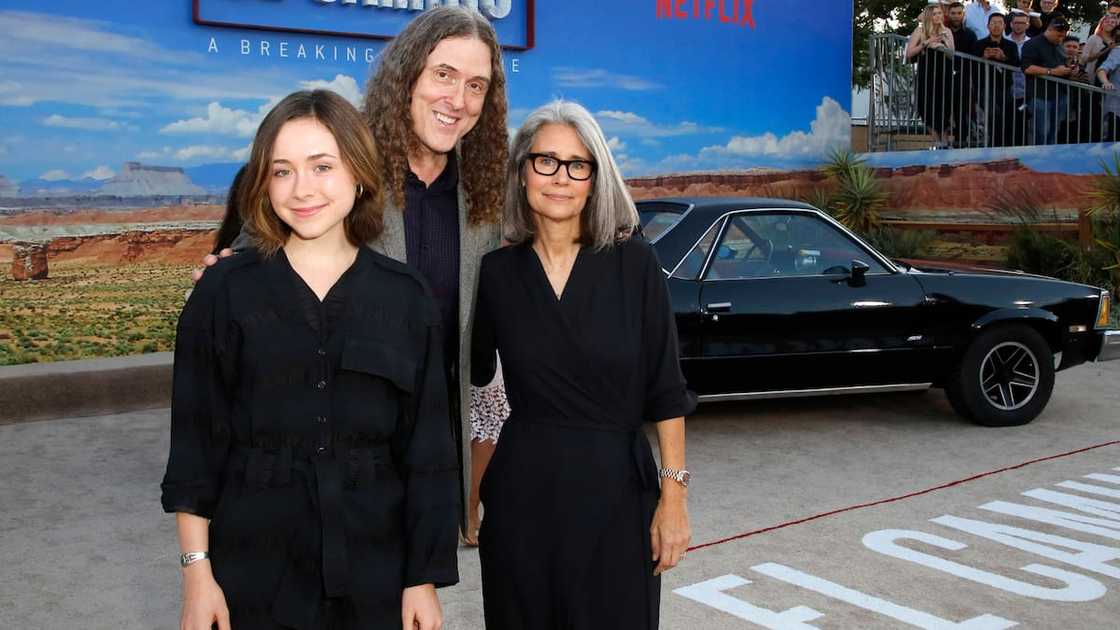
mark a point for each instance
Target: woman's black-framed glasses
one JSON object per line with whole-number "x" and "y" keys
{"x": 544, "y": 164}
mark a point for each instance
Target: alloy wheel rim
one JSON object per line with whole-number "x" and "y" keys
{"x": 1009, "y": 376}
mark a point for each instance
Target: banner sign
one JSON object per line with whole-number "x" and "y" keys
{"x": 371, "y": 19}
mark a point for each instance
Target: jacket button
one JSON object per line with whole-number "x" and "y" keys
{"x": 321, "y": 450}
{"x": 321, "y": 419}
{"x": 321, "y": 384}
{"x": 321, "y": 352}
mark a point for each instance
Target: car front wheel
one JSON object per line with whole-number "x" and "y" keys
{"x": 1005, "y": 377}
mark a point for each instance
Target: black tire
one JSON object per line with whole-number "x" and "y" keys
{"x": 1004, "y": 379}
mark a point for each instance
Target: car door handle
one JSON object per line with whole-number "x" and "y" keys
{"x": 718, "y": 307}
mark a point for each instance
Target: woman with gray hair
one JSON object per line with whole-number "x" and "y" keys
{"x": 577, "y": 529}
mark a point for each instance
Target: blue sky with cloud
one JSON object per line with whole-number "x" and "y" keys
{"x": 87, "y": 86}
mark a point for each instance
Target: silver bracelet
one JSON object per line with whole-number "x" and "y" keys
{"x": 191, "y": 557}
{"x": 680, "y": 476}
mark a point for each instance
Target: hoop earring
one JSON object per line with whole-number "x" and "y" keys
{"x": 361, "y": 191}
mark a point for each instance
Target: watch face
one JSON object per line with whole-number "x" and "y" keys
{"x": 685, "y": 477}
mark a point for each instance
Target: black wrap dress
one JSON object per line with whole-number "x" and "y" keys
{"x": 315, "y": 436}
{"x": 572, "y": 486}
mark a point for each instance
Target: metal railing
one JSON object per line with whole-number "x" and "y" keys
{"x": 958, "y": 100}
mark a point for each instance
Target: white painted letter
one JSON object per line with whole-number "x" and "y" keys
{"x": 1089, "y": 506}
{"x": 213, "y": 46}
{"x": 513, "y": 65}
{"x": 906, "y": 615}
{"x": 1090, "y": 488}
{"x": 1088, "y": 524}
{"x": 283, "y": 49}
{"x": 1090, "y": 557}
{"x": 245, "y": 47}
{"x": 1105, "y": 478}
{"x": 710, "y": 593}
{"x": 301, "y": 53}
{"x": 264, "y": 48}
{"x": 1078, "y": 588}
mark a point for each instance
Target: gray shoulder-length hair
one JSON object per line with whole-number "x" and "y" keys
{"x": 609, "y": 216}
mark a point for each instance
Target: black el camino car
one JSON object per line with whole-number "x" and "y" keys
{"x": 774, "y": 298}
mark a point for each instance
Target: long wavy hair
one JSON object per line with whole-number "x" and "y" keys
{"x": 483, "y": 150}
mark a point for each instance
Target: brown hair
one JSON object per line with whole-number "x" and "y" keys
{"x": 484, "y": 149}
{"x": 358, "y": 153}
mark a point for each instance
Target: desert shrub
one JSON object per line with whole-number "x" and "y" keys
{"x": 1035, "y": 252}
{"x": 897, "y": 243}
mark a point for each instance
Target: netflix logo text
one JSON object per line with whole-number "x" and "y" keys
{"x": 737, "y": 12}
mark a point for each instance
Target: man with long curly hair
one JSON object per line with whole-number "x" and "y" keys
{"x": 436, "y": 104}
{"x": 444, "y": 167}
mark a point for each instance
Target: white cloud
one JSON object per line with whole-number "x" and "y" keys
{"x": 243, "y": 123}
{"x": 55, "y": 175}
{"x": 220, "y": 120}
{"x": 85, "y": 124}
{"x": 569, "y": 77}
{"x": 342, "y": 85}
{"x": 195, "y": 153}
{"x": 616, "y": 144}
{"x": 629, "y": 123}
{"x": 830, "y": 128}
{"x": 101, "y": 172}
{"x": 201, "y": 151}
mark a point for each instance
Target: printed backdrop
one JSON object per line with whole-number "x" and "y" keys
{"x": 122, "y": 124}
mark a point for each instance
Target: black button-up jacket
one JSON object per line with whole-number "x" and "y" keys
{"x": 316, "y": 437}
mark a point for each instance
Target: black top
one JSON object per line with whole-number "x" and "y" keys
{"x": 963, "y": 39}
{"x": 1009, "y": 48}
{"x": 1047, "y": 17}
{"x": 316, "y": 436}
{"x": 431, "y": 234}
{"x": 604, "y": 354}
{"x": 1040, "y": 52}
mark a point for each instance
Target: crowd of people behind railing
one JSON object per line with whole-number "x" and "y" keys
{"x": 981, "y": 75}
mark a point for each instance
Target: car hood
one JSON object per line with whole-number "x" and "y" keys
{"x": 951, "y": 268}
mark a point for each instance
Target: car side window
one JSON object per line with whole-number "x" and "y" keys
{"x": 760, "y": 245}
{"x": 693, "y": 262}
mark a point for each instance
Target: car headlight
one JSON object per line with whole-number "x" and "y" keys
{"x": 1104, "y": 311}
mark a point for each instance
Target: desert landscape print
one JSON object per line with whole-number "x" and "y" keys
{"x": 95, "y": 275}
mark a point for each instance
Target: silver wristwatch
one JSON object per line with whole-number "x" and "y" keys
{"x": 680, "y": 476}
{"x": 191, "y": 557}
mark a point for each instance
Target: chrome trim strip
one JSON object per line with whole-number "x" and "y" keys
{"x": 1110, "y": 346}
{"x": 823, "y": 391}
{"x": 883, "y": 260}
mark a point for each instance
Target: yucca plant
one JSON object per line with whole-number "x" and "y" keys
{"x": 1105, "y": 195}
{"x": 855, "y": 196}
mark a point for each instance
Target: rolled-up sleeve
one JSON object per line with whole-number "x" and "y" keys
{"x": 431, "y": 472}
{"x": 200, "y": 405}
{"x": 667, "y": 395}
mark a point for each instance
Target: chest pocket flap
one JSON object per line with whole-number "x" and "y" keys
{"x": 375, "y": 357}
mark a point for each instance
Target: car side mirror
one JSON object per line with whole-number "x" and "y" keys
{"x": 859, "y": 273}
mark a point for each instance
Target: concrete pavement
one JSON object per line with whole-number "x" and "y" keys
{"x": 83, "y": 543}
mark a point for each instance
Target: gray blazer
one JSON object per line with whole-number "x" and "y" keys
{"x": 474, "y": 241}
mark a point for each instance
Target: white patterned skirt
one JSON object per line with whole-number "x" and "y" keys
{"x": 489, "y": 408}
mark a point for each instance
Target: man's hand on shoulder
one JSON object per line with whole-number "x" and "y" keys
{"x": 209, "y": 260}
